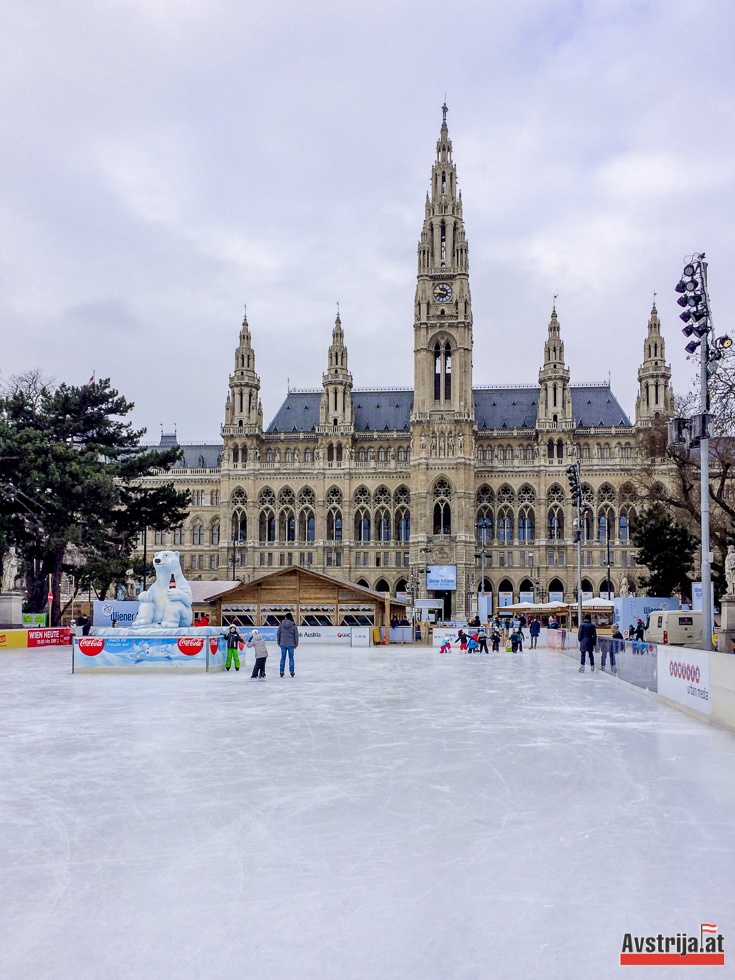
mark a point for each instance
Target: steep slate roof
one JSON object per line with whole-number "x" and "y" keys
{"x": 197, "y": 455}
{"x": 379, "y": 410}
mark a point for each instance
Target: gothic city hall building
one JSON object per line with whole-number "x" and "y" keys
{"x": 378, "y": 485}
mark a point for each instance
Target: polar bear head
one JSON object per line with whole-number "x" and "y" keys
{"x": 166, "y": 564}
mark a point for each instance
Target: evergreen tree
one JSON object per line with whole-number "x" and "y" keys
{"x": 70, "y": 483}
{"x": 667, "y": 549}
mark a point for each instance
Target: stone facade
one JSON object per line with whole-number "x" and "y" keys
{"x": 374, "y": 485}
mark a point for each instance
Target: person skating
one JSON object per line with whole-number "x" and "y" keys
{"x": 287, "y": 639}
{"x": 516, "y": 640}
{"x": 495, "y": 637}
{"x": 462, "y": 640}
{"x": 617, "y": 642}
{"x": 260, "y": 651}
{"x": 481, "y": 640}
{"x": 534, "y": 628}
{"x": 233, "y": 646}
{"x": 640, "y": 630}
{"x": 587, "y": 636}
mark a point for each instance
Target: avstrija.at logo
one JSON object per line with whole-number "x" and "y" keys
{"x": 680, "y": 950}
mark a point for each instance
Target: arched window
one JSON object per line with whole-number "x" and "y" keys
{"x": 307, "y": 456}
{"x": 214, "y": 533}
{"x": 382, "y": 525}
{"x": 605, "y": 520}
{"x": 505, "y": 524}
{"x": 362, "y": 525}
{"x": 306, "y": 524}
{"x": 235, "y": 454}
{"x": 334, "y": 524}
{"x": 550, "y": 448}
{"x": 338, "y": 452}
{"x": 330, "y": 453}
{"x": 442, "y": 508}
{"x": 197, "y": 534}
{"x": 559, "y": 449}
{"x": 526, "y": 524}
{"x": 484, "y": 525}
{"x": 437, "y": 372}
{"x": 239, "y": 526}
{"x": 267, "y": 526}
{"x": 403, "y": 524}
{"x": 447, "y": 372}
{"x": 556, "y": 524}
{"x": 286, "y": 525}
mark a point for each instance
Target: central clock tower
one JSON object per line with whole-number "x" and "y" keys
{"x": 442, "y": 419}
{"x": 443, "y": 309}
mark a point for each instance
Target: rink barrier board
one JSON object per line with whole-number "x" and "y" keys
{"x": 716, "y": 678}
{"x": 32, "y": 637}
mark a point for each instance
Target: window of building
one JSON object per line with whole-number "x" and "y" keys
{"x": 213, "y": 561}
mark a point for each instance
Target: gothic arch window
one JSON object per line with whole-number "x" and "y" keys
{"x": 526, "y": 524}
{"x": 214, "y": 533}
{"x": 307, "y": 456}
{"x": 508, "y": 454}
{"x": 266, "y": 526}
{"x": 606, "y": 451}
{"x": 556, "y": 523}
{"x": 334, "y": 524}
{"x": 550, "y": 448}
{"x": 330, "y": 453}
{"x": 403, "y": 524}
{"x": 606, "y": 494}
{"x": 267, "y": 498}
{"x": 362, "y": 497}
{"x": 529, "y": 454}
{"x": 554, "y": 390}
{"x": 559, "y": 449}
{"x": 484, "y": 524}
{"x": 239, "y": 526}
{"x": 338, "y": 452}
{"x": 382, "y": 496}
{"x": 240, "y": 399}
{"x": 197, "y": 534}
{"x": 382, "y": 524}
{"x": 381, "y": 455}
{"x": 307, "y": 524}
{"x": 401, "y": 455}
{"x": 624, "y": 525}
{"x": 382, "y": 586}
{"x": 442, "y": 507}
{"x": 214, "y": 499}
{"x": 443, "y": 244}
{"x": 485, "y": 495}
{"x": 401, "y": 496}
{"x": 289, "y": 457}
{"x": 587, "y": 494}
{"x": 505, "y": 524}
{"x": 437, "y": 372}
{"x": 286, "y": 525}
{"x": 242, "y": 360}
{"x": 362, "y": 525}
{"x": 627, "y": 452}
{"x": 586, "y": 451}
{"x": 447, "y": 372}
{"x": 526, "y": 495}
{"x": 506, "y": 495}
{"x": 555, "y": 494}
{"x": 605, "y": 521}
{"x": 334, "y": 497}
{"x": 239, "y": 424}
{"x": 235, "y": 454}
{"x": 361, "y": 456}
{"x": 306, "y": 497}
{"x": 269, "y": 456}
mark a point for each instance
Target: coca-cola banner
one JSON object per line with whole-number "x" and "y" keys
{"x": 145, "y": 652}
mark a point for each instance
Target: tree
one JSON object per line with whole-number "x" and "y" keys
{"x": 70, "y": 479}
{"x": 667, "y": 549}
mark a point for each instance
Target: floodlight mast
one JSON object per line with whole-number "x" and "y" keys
{"x": 706, "y": 554}
{"x": 698, "y": 319}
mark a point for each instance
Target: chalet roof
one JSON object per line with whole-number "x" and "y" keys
{"x": 343, "y": 584}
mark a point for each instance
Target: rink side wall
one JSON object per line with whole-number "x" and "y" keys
{"x": 699, "y": 682}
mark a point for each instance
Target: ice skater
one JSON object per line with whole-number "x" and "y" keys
{"x": 233, "y": 647}
{"x": 446, "y": 647}
{"x": 287, "y": 639}
{"x": 260, "y": 650}
{"x": 462, "y": 640}
{"x": 472, "y": 643}
{"x": 587, "y": 636}
{"x": 481, "y": 640}
{"x": 516, "y": 640}
{"x": 617, "y": 642}
{"x": 534, "y": 628}
{"x": 495, "y": 636}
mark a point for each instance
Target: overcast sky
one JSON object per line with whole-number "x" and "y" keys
{"x": 165, "y": 162}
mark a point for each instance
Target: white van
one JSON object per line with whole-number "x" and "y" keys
{"x": 677, "y": 627}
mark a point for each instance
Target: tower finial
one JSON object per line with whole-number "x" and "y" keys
{"x": 445, "y": 110}
{"x": 654, "y": 302}
{"x": 553, "y": 307}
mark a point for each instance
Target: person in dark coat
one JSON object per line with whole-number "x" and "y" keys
{"x": 587, "y": 637}
{"x": 640, "y": 629}
{"x": 617, "y": 642}
{"x": 481, "y": 640}
{"x": 287, "y": 639}
{"x": 495, "y": 636}
{"x": 534, "y": 628}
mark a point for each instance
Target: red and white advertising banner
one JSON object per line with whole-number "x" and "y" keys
{"x": 683, "y": 676}
{"x": 49, "y": 637}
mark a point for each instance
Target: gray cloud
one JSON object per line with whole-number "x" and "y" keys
{"x": 165, "y": 162}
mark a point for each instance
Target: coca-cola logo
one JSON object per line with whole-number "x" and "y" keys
{"x": 213, "y": 645}
{"x": 91, "y": 645}
{"x": 190, "y": 645}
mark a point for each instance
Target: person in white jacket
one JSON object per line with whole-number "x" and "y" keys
{"x": 260, "y": 651}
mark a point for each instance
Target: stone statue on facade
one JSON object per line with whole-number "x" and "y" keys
{"x": 422, "y": 442}
{"x": 10, "y": 570}
{"x": 730, "y": 569}
{"x": 460, "y": 442}
{"x": 624, "y": 586}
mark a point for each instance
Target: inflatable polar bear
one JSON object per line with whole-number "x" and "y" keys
{"x": 167, "y": 602}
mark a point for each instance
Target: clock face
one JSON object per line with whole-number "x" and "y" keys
{"x": 442, "y": 292}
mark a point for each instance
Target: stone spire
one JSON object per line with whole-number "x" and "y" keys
{"x": 243, "y": 411}
{"x": 336, "y": 401}
{"x": 555, "y": 398}
{"x": 655, "y": 395}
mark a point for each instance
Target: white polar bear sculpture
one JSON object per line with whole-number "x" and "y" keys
{"x": 167, "y": 602}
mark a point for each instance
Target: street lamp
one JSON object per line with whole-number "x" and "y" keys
{"x": 574, "y": 475}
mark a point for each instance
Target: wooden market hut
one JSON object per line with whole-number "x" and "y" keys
{"x": 313, "y": 599}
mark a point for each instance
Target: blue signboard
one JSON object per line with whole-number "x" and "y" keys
{"x": 442, "y": 577}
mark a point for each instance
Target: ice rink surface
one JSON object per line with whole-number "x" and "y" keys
{"x": 387, "y": 813}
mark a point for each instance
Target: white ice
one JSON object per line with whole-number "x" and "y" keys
{"x": 388, "y": 813}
